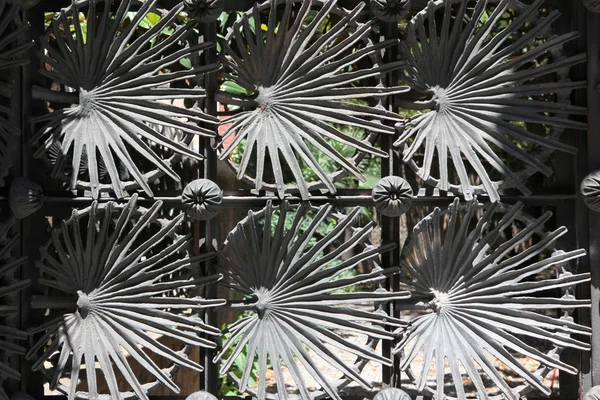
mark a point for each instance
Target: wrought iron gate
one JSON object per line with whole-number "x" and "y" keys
{"x": 255, "y": 198}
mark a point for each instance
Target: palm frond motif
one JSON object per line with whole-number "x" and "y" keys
{"x": 113, "y": 271}
{"x": 12, "y": 55}
{"x": 119, "y": 80}
{"x": 484, "y": 86}
{"x": 294, "y": 277}
{"x": 300, "y": 85}
{"x": 9, "y": 309}
{"x": 480, "y": 285}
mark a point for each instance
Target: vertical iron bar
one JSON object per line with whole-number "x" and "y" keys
{"x": 390, "y": 227}
{"x": 33, "y": 237}
{"x": 593, "y": 141}
{"x": 569, "y": 172}
{"x": 209, "y": 171}
{"x": 16, "y": 106}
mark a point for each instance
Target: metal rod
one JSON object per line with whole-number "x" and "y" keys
{"x": 235, "y": 307}
{"x": 230, "y": 5}
{"x": 359, "y": 199}
{"x": 55, "y": 303}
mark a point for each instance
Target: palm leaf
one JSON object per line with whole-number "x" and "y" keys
{"x": 294, "y": 278}
{"x": 116, "y": 272}
{"x": 120, "y": 81}
{"x": 484, "y": 88}
{"x": 302, "y": 85}
{"x": 484, "y": 302}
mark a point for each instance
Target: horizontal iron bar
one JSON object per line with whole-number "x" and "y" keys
{"x": 53, "y": 303}
{"x": 230, "y": 5}
{"x": 175, "y": 397}
{"x": 343, "y": 198}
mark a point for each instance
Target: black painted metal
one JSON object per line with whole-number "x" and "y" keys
{"x": 563, "y": 197}
{"x": 593, "y": 140}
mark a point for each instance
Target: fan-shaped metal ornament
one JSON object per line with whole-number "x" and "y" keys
{"x": 25, "y": 197}
{"x": 201, "y": 199}
{"x": 389, "y": 10}
{"x": 392, "y": 394}
{"x": 122, "y": 281}
{"x": 483, "y": 85}
{"x": 204, "y": 10}
{"x": 392, "y": 196}
{"x": 12, "y": 55}
{"x": 201, "y": 395}
{"x": 299, "y": 86}
{"x": 477, "y": 270}
{"x": 590, "y": 190}
{"x": 10, "y": 287}
{"x": 119, "y": 80}
{"x": 293, "y": 277}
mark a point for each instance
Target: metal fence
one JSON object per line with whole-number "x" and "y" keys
{"x": 561, "y": 194}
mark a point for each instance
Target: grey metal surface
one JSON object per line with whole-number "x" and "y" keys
{"x": 476, "y": 83}
{"x": 474, "y": 268}
{"x": 590, "y": 190}
{"x": 593, "y": 164}
{"x": 299, "y": 85}
{"x": 592, "y": 5}
{"x": 290, "y": 274}
{"x": 560, "y": 196}
{"x": 119, "y": 279}
{"x": 392, "y": 196}
{"x": 593, "y": 394}
{"x": 392, "y": 394}
{"x": 202, "y": 395}
{"x": 201, "y": 199}
{"x": 113, "y": 82}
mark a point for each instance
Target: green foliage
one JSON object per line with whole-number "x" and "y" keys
{"x": 149, "y": 20}
{"x": 227, "y": 386}
{"x": 233, "y": 88}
